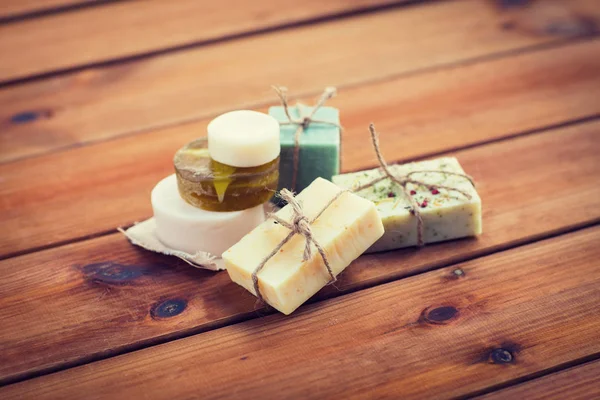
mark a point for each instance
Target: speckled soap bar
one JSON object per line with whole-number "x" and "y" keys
{"x": 319, "y": 146}
{"x": 446, "y": 214}
{"x": 344, "y": 230}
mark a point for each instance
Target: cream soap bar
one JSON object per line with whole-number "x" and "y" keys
{"x": 186, "y": 228}
{"x": 344, "y": 230}
{"x": 243, "y": 138}
{"x": 446, "y": 214}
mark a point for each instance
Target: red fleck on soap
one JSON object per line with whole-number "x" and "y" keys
{"x": 445, "y": 214}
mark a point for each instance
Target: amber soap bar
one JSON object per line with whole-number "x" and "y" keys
{"x": 446, "y": 214}
{"x": 348, "y": 227}
{"x": 214, "y": 186}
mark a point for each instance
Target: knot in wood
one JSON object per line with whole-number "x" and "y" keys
{"x": 24, "y": 117}
{"x": 439, "y": 315}
{"x": 442, "y": 314}
{"x": 30, "y": 116}
{"x": 168, "y": 308}
{"x": 113, "y": 273}
{"x": 501, "y": 356}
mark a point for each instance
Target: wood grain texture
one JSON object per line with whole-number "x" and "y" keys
{"x": 103, "y": 102}
{"x": 94, "y": 298}
{"x": 14, "y": 8}
{"x": 85, "y": 191}
{"x": 430, "y": 336}
{"x": 540, "y": 17}
{"x": 578, "y": 383}
{"x": 125, "y": 29}
{"x": 461, "y": 106}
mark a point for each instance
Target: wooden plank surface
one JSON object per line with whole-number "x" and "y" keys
{"x": 469, "y": 104}
{"x": 16, "y": 8}
{"x": 433, "y": 335}
{"x": 129, "y": 28}
{"x": 104, "y": 102}
{"x": 94, "y": 298}
{"x": 577, "y": 383}
{"x": 434, "y": 77}
{"x": 85, "y": 192}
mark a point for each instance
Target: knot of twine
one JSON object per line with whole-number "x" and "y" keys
{"x": 300, "y": 225}
{"x": 404, "y": 180}
{"x": 303, "y": 122}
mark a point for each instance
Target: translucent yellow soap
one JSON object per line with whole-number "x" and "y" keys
{"x": 214, "y": 186}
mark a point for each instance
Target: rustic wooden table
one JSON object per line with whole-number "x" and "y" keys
{"x": 96, "y": 96}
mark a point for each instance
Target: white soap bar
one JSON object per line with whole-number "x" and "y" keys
{"x": 446, "y": 214}
{"x": 345, "y": 230}
{"x": 184, "y": 227}
{"x": 243, "y": 138}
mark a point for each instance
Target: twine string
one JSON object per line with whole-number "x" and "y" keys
{"x": 300, "y": 225}
{"x": 303, "y": 122}
{"x": 404, "y": 180}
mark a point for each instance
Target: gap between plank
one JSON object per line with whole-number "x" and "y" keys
{"x": 208, "y": 42}
{"x": 533, "y": 376}
{"x": 264, "y": 312}
{"x": 529, "y": 132}
{"x": 61, "y": 243}
{"x": 44, "y": 12}
{"x": 407, "y": 74}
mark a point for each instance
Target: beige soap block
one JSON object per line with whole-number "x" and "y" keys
{"x": 348, "y": 227}
{"x": 446, "y": 214}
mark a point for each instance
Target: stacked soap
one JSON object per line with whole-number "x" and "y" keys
{"x": 183, "y": 227}
{"x": 220, "y": 184}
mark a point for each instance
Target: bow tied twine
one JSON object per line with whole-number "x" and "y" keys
{"x": 403, "y": 181}
{"x": 303, "y": 122}
{"x": 300, "y": 225}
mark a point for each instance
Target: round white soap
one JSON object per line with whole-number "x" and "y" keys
{"x": 184, "y": 227}
{"x": 243, "y": 138}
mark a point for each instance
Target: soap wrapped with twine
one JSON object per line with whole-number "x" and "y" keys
{"x": 299, "y": 225}
{"x": 404, "y": 180}
{"x": 302, "y": 123}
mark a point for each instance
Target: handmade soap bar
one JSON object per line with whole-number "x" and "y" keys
{"x": 243, "y": 138}
{"x": 344, "y": 230}
{"x": 446, "y": 214}
{"x": 183, "y": 227}
{"x": 214, "y": 186}
{"x": 319, "y": 146}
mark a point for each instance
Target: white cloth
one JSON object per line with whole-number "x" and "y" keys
{"x": 143, "y": 234}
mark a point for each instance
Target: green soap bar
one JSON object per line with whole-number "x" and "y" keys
{"x": 446, "y": 214}
{"x": 319, "y": 146}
